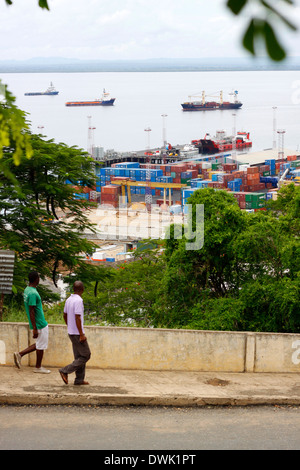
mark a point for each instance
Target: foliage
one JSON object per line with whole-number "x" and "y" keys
{"x": 129, "y": 294}
{"x": 191, "y": 275}
{"x": 262, "y": 26}
{"x": 245, "y": 277}
{"x": 13, "y": 128}
{"x": 31, "y": 203}
{"x": 41, "y": 3}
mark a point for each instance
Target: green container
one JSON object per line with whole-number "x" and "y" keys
{"x": 266, "y": 173}
{"x": 216, "y": 166}
{"x": 257, "y": 205}
{"x": 185, "y": 180}
{"x": 295, "y": 163}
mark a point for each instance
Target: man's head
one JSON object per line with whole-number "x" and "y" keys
{"x": 34, "y": 278}
{"x": 78, "y": 287}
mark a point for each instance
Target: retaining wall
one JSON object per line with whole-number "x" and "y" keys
{"x": 161, "y": 349}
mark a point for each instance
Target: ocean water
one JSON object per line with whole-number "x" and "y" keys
{"x": 143, "y": 97}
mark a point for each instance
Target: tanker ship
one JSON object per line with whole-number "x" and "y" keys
{"x": 104, "y": 101}
{"x": 211, "y": 105}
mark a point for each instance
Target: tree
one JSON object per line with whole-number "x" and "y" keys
{"x": 247, "y": 274}
{"x": 130, "y": 294}
{"x": 212, "y": 271}
{"x": 31, "y": 203}
{"x": 13, "y": 128}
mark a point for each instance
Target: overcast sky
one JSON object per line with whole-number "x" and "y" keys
{"x": 124, "y": 29}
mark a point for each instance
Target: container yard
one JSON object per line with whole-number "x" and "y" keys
{"x": 169, "y": 184}
{"x": 123, "y": 215}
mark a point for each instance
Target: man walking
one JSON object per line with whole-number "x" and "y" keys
{"x": 37, "y": 323}
{"x": 73, "y": 316}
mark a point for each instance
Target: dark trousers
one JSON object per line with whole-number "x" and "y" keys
{"x": 82, "y": 354}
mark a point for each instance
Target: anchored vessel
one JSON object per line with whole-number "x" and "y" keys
{"x": 211, "y": 105}
{"x": 104, "y": 101}
{"x": 50, "y": 91}
{"x": 222, "y": 143}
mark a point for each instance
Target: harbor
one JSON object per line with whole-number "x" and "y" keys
{"x": 135, "y": 201}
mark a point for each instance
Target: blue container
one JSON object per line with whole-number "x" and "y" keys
{"x": 270, "y": 162}
{"x": 81, "y": 196}
{"x": 128, "y": 165}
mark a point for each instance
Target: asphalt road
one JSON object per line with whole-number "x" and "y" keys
{"x": 149, "y": 428}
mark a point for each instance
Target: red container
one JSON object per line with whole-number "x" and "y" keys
{"x": 111, "y": 189}
{"x": 229, "y": 166}
{"x": 252, "y": 170}
{"x": 161, "y": 201}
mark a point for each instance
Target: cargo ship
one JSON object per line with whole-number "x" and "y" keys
{"x": 104, "y": 101}
{"x": 222, "y": 143}
{"x": 211, "y": 105}
{"x": 50, "y": 91}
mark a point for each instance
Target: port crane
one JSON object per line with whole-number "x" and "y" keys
{"x": 147, "y": 184}
{"x": 214, "y": 95}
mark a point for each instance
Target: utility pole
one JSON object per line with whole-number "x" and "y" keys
{"x": 90, "y": 137}
{"x": 280, "y": 133}
{"x": 148, "y": 195}
{"x": 164, "y": 130}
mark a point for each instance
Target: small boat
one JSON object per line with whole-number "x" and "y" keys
{"x": 104, "y": 101}
{"x": 50, "y": 92}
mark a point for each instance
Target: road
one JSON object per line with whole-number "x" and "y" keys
{"x": 157, "y": 428}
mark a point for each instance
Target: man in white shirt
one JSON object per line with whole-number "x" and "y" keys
{"x": 73, "y": 316}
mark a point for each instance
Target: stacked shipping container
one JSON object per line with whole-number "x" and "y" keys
{"x": 242, "y": 181}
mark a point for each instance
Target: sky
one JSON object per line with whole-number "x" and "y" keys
{"x": 126, "y": 29}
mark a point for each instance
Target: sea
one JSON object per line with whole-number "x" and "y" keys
{"x": 152, "y": 100}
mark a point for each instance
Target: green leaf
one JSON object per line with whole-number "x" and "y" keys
{"x": 274, "y": 48}
{"x": 14, "y": 290}
{"x": 44, "y": 4}
{"x": 236, "y": 5}
{"x": 248, "y": 40}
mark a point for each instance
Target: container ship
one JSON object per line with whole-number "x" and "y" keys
{"x": 222, "y": 143}
{"x": 212, "y": 105}
{"x": 104, "y": 101}
{"x": 50, "y": 91}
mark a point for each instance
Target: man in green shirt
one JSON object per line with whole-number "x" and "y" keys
{"x": 37, "y": 323}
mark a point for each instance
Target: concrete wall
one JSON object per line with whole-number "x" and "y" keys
{"x": 161, "y": 349}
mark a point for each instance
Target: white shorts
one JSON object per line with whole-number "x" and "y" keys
{"x": 42, "y": 339}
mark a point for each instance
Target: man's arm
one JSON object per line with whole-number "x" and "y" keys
{"x": 66, "y": 318}
{"x": 79, "y": 326}
{"x": 32, "y": 319}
